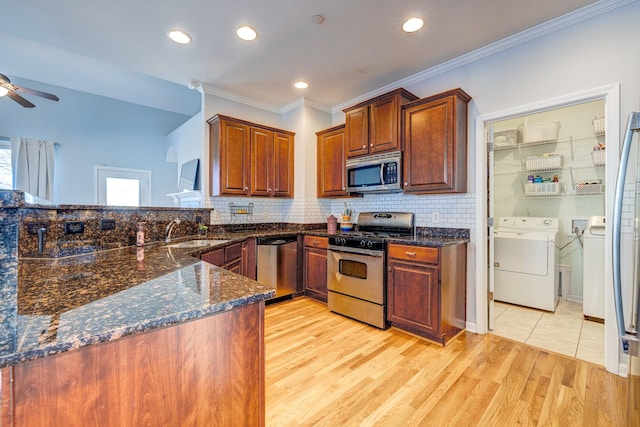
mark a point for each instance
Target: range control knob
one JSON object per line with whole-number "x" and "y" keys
{"x": 369, "y": 244}
{"x": 363, "y": 243}
{"x": 341, "y": 241}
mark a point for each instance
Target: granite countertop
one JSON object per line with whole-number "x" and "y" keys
{"x": 416, "y": 240}
{"x": 72, "y": 302}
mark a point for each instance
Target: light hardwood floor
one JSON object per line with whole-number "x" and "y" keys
{"x": 324, "y": 369}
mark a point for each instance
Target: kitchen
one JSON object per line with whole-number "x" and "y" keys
{"x": 581, "y": 56}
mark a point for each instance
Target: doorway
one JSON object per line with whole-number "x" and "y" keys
{"x": 569, "y": 203}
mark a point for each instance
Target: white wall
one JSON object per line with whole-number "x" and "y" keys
{"x": 94, "y": 130}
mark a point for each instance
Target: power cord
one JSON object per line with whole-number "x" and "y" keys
{"x": 578, "y": 237}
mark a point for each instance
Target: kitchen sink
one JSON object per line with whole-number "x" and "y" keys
{"x": 196, "y": 243}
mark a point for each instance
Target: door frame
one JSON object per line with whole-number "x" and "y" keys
{"x": 611, "y": 96}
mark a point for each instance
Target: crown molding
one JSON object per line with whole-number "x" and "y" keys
{"x": 303, "y": 102}
{"x": 210, "y": 90}
{"x": 522, "y": 37}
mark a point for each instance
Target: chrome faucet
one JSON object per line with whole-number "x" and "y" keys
{"x": 169, "y": 229}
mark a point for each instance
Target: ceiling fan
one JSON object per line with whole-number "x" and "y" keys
{"x": 11, "y": 90}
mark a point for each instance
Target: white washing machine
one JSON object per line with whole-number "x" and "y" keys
{"x": 525, "y": 258}
{"x": 593, "y": 268}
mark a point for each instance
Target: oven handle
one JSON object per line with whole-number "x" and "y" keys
{"x": 357, "y": 251}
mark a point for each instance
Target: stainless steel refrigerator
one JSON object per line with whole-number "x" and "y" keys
{"x": 626, "y": 258}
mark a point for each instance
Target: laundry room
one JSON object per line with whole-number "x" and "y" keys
{"x": 547, "y": 193}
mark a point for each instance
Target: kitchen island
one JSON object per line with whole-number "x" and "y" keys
{"x": 135, "y": 336}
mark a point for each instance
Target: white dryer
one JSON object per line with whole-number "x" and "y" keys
{"x": 525, "y": 260}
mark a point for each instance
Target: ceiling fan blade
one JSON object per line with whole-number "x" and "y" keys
{"x": 36, "y": 92}
{"x": 20, "y": 100}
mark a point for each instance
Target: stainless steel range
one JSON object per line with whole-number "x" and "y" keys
{"x": 356, "y": 273}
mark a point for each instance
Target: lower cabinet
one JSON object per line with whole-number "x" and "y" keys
{"x": 315, "y": 267}
{"x": 238, "y": 258}
{"x": 426, "y": 290}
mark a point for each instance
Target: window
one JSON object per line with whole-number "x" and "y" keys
{"x": 122, "y": 187}
{"x": 6, "y": 179}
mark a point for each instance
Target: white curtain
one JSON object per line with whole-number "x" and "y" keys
{"x": 32, "y": 161}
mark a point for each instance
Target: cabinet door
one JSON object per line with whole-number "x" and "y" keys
{"x": 216, "y": 257}
{"x": 315, "y": 273}
{"x": 357, "y": 131}
{"x": 331, "y": 163}
{"x": 413, "y": 297}
{"x": 435, "y": 142}
{"x": 234, "y": 158}
{"x": 261, "y": 161}
{"x": 249, "y": 258}
{"x": 384, "y": 129}
{"x": 282, "y": 184}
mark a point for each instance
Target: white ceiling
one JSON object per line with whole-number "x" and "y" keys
{"x": 119, "y": 48}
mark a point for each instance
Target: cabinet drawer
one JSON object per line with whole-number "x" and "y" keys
{"x": 216, "y": 257}
{"x": 233, "y": 252}
{"x": 316, "y": 242}
{"x": 414, "y": 253}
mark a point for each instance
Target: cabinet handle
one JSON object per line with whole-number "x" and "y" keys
{"x": 370, "y": 145}
{"x": 364, "y": 146}
{"x": 406, "y": 184}
{"x": 269, "y": 190}
{"x": 411, "y": 253}
{"x": 389, "y": 268}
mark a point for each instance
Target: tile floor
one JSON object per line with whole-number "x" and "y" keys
{"x": 564, "y": 331}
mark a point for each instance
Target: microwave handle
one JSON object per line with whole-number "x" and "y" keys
{"x": 382, "y": 174}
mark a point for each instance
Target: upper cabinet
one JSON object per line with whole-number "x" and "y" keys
{"x": 373, "y": 126}
{"x": 331, "y": 162}
{"x": 435, "y": 144}
{"x": 248, "y": 159}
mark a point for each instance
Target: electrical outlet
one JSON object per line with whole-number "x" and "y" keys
{"x": 73, "y": 227}
{"x": 580, "y": 224}
{"x": 435, "y": 217}
{"x": 107, "y": 224}
{"x": 33, "y": 227}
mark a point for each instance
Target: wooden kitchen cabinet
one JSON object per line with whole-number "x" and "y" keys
{"x": 426, "y": 290}
{"x": 331, "y": 162}
{"x": 374, "y": 126}
{"x": 249, "y": 259}
{"x": 272, "y": 163}
{"x": 435, "y": 144}
{"x": 232, "y": 258}
{"x": 315, "y": 267}
{"x": 230, "y": 164}
{"x": 248, "y": 159}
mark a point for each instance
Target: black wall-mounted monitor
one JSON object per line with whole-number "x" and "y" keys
{"x": 189, "y": 176}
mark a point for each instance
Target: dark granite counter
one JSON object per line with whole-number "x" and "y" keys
{"x": 71, "y": 302}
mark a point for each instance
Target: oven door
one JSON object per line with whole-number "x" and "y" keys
{"x": 355, "y": 272}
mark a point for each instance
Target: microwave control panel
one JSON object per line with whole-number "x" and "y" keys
{"x": 391, "y": 173}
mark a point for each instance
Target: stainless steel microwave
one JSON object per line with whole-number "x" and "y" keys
{"x": 380, "y": 173}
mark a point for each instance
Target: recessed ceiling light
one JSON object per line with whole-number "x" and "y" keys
{"x": 246, "y": 33}
{"x": 3, "y": 91}
{"x": 412, "y": 25}
{"x": 301, "y": 84}
{"x": 179, "y": 36}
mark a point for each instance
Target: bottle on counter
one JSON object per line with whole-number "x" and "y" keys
{"x": 140, "y": 234}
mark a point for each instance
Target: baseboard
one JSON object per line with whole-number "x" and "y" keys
{"x": 471, "y": 327}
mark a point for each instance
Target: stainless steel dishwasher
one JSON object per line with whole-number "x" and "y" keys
{"x": 277, "y": 265}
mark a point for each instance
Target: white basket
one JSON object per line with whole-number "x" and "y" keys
{"x": 598, "y": 126}
{"x": 541, "y": 132}
{"x": 543, "y": 188}
{"x": 540, "y": 163}
{"x": 598, "y": 157}
{"x": 589, "y": 188}
{"x": 506, "y": 138}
